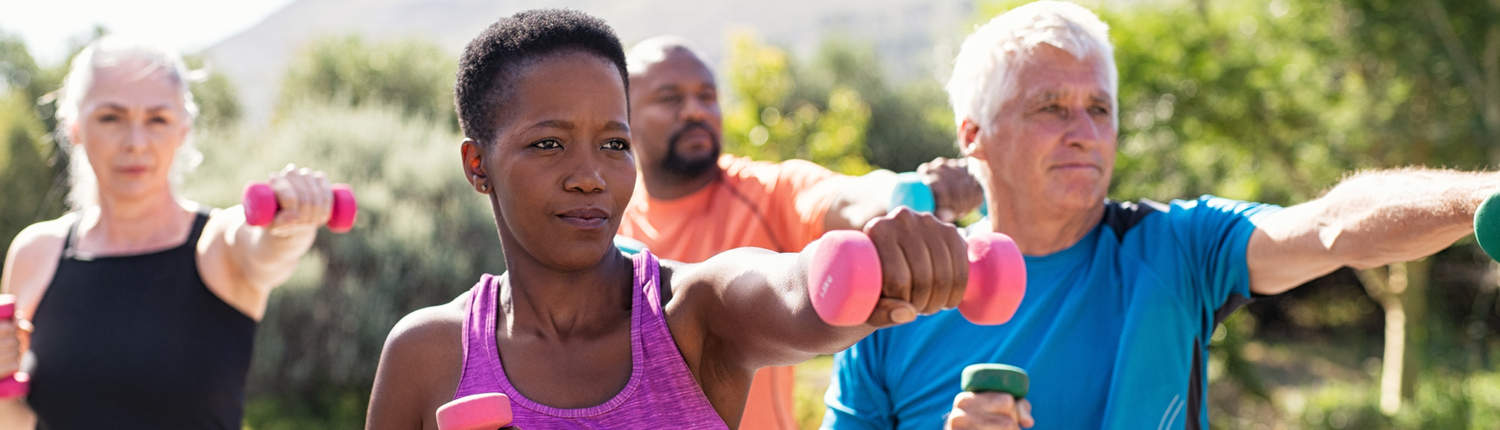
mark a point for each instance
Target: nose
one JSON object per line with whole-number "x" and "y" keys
{"x": 1086, "y": 131}
{"x": 695, "y": 109}
{"x": 586, "y": 176}
{"x": 135, "y": 138}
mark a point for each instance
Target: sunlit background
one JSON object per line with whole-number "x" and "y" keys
{"x": 1269, "y": 101}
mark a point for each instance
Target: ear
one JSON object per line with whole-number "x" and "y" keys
{"x": 72, "y": 131}
{"x": 474, "y": 171}
{"x": 968, "y": 139}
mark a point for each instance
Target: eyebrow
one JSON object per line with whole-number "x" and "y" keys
{"x": 569, "y": 125}
{"x": 1054, "y": 95}
{"x": 117, "y": 106}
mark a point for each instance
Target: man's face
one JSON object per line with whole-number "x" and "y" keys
{"x": 675, "y": 122}
{"x": 1052, "y": 143}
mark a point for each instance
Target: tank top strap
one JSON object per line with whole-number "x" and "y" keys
{"x": 71, "y": 242}
{"x": 481, "y": 358}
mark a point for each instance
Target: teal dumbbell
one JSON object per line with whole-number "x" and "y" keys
{"x": 913, "y": 193}
{"x": 983, "y": 377}
{"x": 628, "y": 245}
{"x": 1487, "y": 226}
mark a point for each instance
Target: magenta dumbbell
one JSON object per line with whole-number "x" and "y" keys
{"x": 488, "y": 411}
{"x": 261, "y": 206}
{"x": 15, "y": 384}
{"x": 844, "y": 280}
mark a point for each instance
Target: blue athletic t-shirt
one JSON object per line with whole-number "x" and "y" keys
{"x": 1112, "y": 330}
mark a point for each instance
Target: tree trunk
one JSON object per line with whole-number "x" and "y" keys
{"x": 1401, "y": 290}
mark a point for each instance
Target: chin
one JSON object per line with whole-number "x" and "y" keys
{"x": 579, "y": 255}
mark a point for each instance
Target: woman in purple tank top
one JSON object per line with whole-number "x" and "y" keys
{"x": 576, "y": 333}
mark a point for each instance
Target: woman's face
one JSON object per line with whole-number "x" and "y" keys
{"x": 561, "y": 167}
{"x": 130, "y": 122}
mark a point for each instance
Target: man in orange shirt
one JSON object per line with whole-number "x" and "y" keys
{"x": 692, "y": 203}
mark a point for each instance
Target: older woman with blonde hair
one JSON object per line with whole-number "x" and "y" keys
{"x": 140, "y": 306}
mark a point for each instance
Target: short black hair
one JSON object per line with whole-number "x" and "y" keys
{"x": 492, "y": 61}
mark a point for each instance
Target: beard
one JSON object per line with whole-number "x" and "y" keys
{"x": 678, "y": 165}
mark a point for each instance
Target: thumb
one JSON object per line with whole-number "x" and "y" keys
{"x": 892, "y": 312}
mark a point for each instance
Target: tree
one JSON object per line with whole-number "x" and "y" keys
{"x": 412, "y": 74}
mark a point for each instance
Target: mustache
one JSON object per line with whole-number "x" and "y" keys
{"x": 677, "y": 136}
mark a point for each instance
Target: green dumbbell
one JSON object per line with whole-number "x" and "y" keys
{"x": 1001, "y": 378}
{"x": 1487, "y": 226}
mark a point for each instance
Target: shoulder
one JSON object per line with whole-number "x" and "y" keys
{"x": 420, "y": 366}
{"x": 432, "y": 331}
{"x": 32, "y": 260}
{"x": 424, "y": 352}
{"x": 38, "y": 246}
{"x": 43, "y": 236}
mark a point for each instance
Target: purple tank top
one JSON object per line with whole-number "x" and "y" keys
{"x": 661, "y": 392}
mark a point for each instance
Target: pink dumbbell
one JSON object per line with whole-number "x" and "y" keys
{"x": 15, "y": 384}
{"x": 261, "y": 206}
{"x": 488, "y": 411}
{"x": 844, "y": 280}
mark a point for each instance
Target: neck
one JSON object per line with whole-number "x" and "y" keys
{"x": 664, "y": 185}
{"x": 1041, "y": 228}
{"x": 553, "y": 304}
{"x": 124, "y": 224}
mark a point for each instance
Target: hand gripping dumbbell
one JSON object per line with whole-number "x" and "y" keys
{"x": 1012, "y": 380}
{"x": 1487, "y": 226}
{"x": 844, "y": 279}
{"x": 261, "y": 206}
{"x": 911, "y": 192}
{"x": 488, "y": 411}
{"x": 15, "y": 384}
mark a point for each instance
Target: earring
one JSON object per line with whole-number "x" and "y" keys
{"x": 484, "y": 188}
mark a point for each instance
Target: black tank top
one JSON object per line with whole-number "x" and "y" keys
{"x": 138, "y": 342}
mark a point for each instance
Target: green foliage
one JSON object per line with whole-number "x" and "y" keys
{"x": 27, "y": 171}
{"x": 422, "y": 238}
{"x": 414, "y": 75}
{"x": 837, "y": 110}
{"x": 218, "y": 101}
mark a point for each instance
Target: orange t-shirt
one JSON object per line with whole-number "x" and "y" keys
{"x": 777, "y": 206}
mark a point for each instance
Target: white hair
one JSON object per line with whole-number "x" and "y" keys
{"x": 107, "y": 52}
{"x": 984, "y": 73}
{"x": 655, "y": 49}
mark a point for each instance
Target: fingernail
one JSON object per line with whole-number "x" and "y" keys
{"x": 903, "y": 315}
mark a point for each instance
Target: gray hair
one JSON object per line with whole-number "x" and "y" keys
{"x": 984, "y": 73}
{"x": 107, "y": 52}
{"x": 654, "y": 50}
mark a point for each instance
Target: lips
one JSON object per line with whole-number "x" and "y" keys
{"x": 585, "y": 218}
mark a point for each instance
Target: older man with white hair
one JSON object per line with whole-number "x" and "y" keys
{"x": 1122, "y": 298}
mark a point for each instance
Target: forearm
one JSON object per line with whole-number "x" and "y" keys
{"x": 266, "y": 258}
{"x": 16, "y": 414}
{"x": 1369, "y": 220}
{"x": 861, "y": 199}
{"x": 1378, "y": 218}
{"x": 769, "y": 313}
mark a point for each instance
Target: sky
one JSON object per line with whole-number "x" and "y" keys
{"x": 188, "y": 25}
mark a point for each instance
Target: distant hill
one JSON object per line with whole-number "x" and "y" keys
{"x": 904, "y": 32}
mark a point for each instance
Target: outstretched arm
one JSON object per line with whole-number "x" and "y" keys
{"x": 1368, "y": 220}
{"x": 754, "y": 304}
{"x": 954, "y": 191}
{"x": 247, "y": 262}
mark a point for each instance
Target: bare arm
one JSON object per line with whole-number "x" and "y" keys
{"x": 955, "y": 193}
{"x": 243, "y": 263}
{"x": 755, "y": 303}
{"x": 1368, "y": 220}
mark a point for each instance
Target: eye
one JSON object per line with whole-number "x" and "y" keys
{"x": 109, "y": 118}
{"x": 1052, "y": 108}
{"x": 547, "y": 144}
{"x": 1099, "y": 110}
{"x": 670, "y": 98}
{"x": 159, "y": 120}
{"x": 617, "y": 145}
